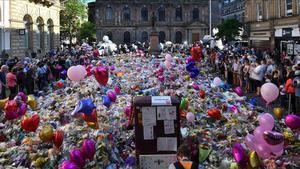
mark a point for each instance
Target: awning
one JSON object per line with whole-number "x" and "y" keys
{"x": 259, "y": 38}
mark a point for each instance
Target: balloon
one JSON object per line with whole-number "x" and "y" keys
{"x": 273, "y": 138}
{"x": 278, "y": 112}
{"x": 161, "y": 78}
{"x": 58, "y": 137}
{"x": 59, "y": 84}
{"x": 128, "y": 110}
{"x": 118, "y": 90}
{"x": 217, "y": 81}
{"x": 85, "y": 106}
{"x": 81, "y": 71}
{"x": 189, "y": 66}
{"x": 195, "y": 86}
{"x": 31, "y": 101}
{"x": 77, "y": 157}
{"x": 106, "y": 101}
{"x": 190, "y": 117}
{"x": 101, "y": 75}
{"x": 214, "y": 113}
{"x": 187, "y": 78}
{"x": 2, "y": 103}
{"x": 11, "y": 110}
{"x": 239, "y": 153}
{"x": 46, "y": 133}
{"x": 258, "y": 134}
{"x": 167, "y": 64}
{"x": 238, "y": 91}
{"x": 266, "y": 121}
{"x": 278, "y": 153}
{"x": 269, "y": 92}
{"x": 253, "y": 101}
{"x": 189, "y": 59}
{"x": 63, "y": 74}
{"x": 234, "y": 109}
{"x": 262, "y": 151}
{"x": 184, "y": 103}
{"x": 91, "y": 120}
{"x": 254, "y": 160}
{"x": 88, "y": 148}
{"x": 30, "y": 124}
{"x": 292, "y": 121}
{"x": 23, "y": 96}
{"x": 250, "y": 141}
{"x": 168, "y": 57}
{"x": 74, "y": 74}
{"x": 112, "y": 96}
{"x": 68, "y": 165}
{"x": 276, "y": 148}
{"x": 202, "y": 94}
{"x": 204, "y": 153}
{"x": 22, "y": 109}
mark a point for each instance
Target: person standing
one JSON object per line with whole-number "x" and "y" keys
{"x": 3, "y": 72}
{"x": 11, "y": 80}
{"x": 296, "y": 83}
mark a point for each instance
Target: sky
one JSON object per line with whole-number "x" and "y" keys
{"x": 87, "y": 1}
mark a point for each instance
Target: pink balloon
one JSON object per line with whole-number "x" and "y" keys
{"x": 117, "y": 90}
{"x": 168, "y": 57}
{"x": 279, "y": 153}
{"x": 217, "y": 81}
{"x": 195, "y": 86}
{"x": 190, "y": 117}
{"x": 238, "y": 91}
{"x": 112, "y": 96}
{"x": 276, "y": 148}
{"x": 161, "y": 78}
{"x": 168, "y": 64}
{"x": 250, "y": 141}
{"x": 292, "y": 121}
{"x": 266, "y": 121}
{"x": 269, "y": 92}
{"x": 82, "y": 71}
{"x": 73, "y": 74}
{"x": 258, "y": 134}
{"x": 262, "y": 151}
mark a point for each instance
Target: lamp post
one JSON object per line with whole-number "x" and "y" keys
{"x": 210, "y": 18}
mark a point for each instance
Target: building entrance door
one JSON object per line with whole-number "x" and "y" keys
{"x": 195, "y": 37}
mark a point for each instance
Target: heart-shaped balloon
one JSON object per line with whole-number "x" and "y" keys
{"x": 11, "y": 110}
{"x": 202, "y": 94}
{"x": 31, "y": 101}
{"x": 112, "y": 96}
{"x": 101, "y": 75}
{"x": 292, "y": 121}
{"x": 214, "y": 113}
{"x": 106, "y": 101}
{"x": 77, "y": 157}
{"x": 46, "y": 133}
{"x": 30, "y": 124}
{"x": 88, "y": 148}
{"x": 273, "y": 138}
{"x": 58, "y": 137}
{"x": 91, "y": 119}
{"x": 239, "y": 153}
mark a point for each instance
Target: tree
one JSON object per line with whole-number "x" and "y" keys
{"x": 88, "y": 31}
{"x": 229, "y": 29}
{"x": 70, "y": 17}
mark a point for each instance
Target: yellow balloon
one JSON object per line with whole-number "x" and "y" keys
{"x": 254, "y": 159}
{"x": 39, "y": 162}
{"x": 46, "y": 133}
{"x": 278, "y": 112}
{"x": 187, "y": 77}
{"x": 2, "y": 103}
{"x": 32, "y": 101}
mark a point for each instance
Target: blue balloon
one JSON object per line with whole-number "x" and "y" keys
{"x": 106, "y": 101}
{"x": 189, "y": 66}
{"x": 253, "y": 101}
{"x": 85, "y": 106}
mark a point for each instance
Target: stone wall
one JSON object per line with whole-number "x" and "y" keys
{"x": 49, "y": 17}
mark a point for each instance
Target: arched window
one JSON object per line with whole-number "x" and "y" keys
{"x": 144, "y": 14}
{"x": 161, "y": 37}
{"x": 178, "y": 13}
{"x": 28, "y": 36}
{"x": 195, "y": 14}
{"x": 161, "y": 13}
{"x": 40, "y": 33}
{"x": 50, "y": 33}
{"x": 110, "y": 36}
{"x": 144, "y": 36}
{"x": 178, "y": 37}
{"x": 109, "y": 13}
{"x": 126, "y": 13}
{"x": 126, "y": 37}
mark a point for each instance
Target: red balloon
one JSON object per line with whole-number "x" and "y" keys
{"x": 59, "y": 84}
{"x": 91, "y": 119}
{"x": 30, "y": 124}
{"x": 89, "y": 70}
{"x": 58, "y": 138}
{"x": 202, "y": 94}
{"x": 101, "y": 75}
{"x": 214, "y": 113}
{"x": 11, "y": 110}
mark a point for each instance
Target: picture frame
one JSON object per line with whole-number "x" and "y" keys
{"x": 21, "y": 31}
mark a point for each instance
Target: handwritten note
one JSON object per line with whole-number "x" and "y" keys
{"x": 149, "y": 116}
{"x": 166, "y": 113}
{"x": 169, "y": 126}
{"x": 148, "y": 133}
{"x": 166, "y": 144}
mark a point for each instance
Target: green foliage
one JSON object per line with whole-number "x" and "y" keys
{"x": 229, "y": 29}
{"x": 88, "y": 31}
{"x": 70, "y": 17}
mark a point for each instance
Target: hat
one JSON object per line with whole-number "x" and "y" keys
{"x": 297, "y": 73}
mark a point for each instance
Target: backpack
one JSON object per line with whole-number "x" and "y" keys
{"x": 178, "y": 165}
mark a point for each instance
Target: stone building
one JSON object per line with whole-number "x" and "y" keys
{"x": 127, "y": 21}
{"x": 32, "y": 26}
{"x": 274, "y": 24}
{"x": 233, "y": 9}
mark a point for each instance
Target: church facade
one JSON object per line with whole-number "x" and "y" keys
{"x": 128, "y": 21}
